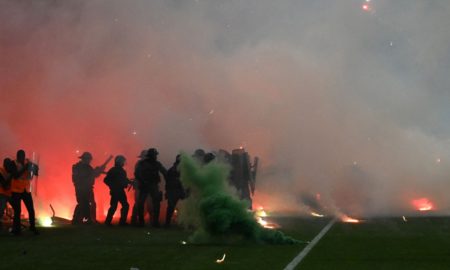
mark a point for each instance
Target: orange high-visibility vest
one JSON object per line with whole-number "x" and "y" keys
{"x": 22, "y": 183}
{"x": 4, "y": 191}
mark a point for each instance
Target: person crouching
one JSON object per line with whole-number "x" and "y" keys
{"x": 116, "y": 179}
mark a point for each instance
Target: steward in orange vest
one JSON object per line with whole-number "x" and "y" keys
{"x": 5, "y": 185}
{"x": 20, "y": 187}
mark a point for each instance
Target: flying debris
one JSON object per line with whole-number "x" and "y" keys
{"x": 221, "y": 260}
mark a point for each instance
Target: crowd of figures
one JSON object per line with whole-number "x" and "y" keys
{"x": 16, "y": 175}
{"x": 15, "y": 188}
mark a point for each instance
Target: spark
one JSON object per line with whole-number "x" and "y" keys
{"x": 366, "y": 7}
{"x": 438, "y": 160}
{"x": 221, "y": 260}
{"x": 134, "y": 132}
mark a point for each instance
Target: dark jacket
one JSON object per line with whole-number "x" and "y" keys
{"x": 83, "y": 175}
{"x": 147, "y": 173}
{"x": 116, "y": 179}
{"x": 173, "y": 182}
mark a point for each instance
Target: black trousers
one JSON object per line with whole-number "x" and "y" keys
{"x": 134, "y": 211}
{"x": 16, "y": 203}
{"x": 86, "y": 207}
{"x": 116, "y": 197}
{"x": 172, "y": 199}
{"x": 155, "y": 196}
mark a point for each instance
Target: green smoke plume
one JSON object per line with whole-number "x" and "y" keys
{"x": 212, "y": 209}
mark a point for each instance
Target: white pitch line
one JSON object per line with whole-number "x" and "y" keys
{"x": 308, "y": 248}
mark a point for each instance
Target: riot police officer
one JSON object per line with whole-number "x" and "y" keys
{"x": 147, "y": 175}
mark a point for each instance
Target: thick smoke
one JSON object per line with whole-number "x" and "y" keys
{"x": 334, "y": 100}
{"x": 214, "y": 211}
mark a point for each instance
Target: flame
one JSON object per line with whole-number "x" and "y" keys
{"x": 221, "y": 260}
{"x": 261, "y": 213}
{"x": 348, "y": 219}
{"x": 422, "y": 204}
{"x": 314, "y": 214}
{"x": 46, "y": 221}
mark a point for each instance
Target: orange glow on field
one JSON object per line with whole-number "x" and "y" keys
{"x": 422, "y": 204}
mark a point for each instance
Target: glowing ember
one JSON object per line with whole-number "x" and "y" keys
{"x": 221, "y": 260}
{"x": 46, "y": 221}
{"x": 423, "y": 204}
{"x": 348, "y": 219}
{"x": 366, "y": 7}
{"x": 314, "y": 214}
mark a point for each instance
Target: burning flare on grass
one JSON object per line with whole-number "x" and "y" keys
{"x": 221, "y": 260}
{"x": 348, "y": 219}
{"x": 314, "y": 214}
{"x": 422, "y": 204}
{"x": 260, "y": 214}
{"x": 46, "y": 221}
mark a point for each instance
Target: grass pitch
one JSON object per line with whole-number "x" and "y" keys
{"x": 420, "y": 243}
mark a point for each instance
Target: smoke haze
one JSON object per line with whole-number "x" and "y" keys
{"x": 335, "y": 100}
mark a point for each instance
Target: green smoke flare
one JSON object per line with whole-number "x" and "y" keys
{"x": 213, "y": 210}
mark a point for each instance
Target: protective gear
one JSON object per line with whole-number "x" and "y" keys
{"x": 86, "y": 156}
{"x": 174, "y": 190}
{"x": 83, "y": 178}
{"x": 120, "y": 160}
{"x": 147, "y": 175}
{"x": 5, "y": 186}
{"x": 117, "y": 181}
{"x": 208, "y": 158}
{"x": 143, "y": 154}
{"x": 152, "y": 152}
{"x": 21, "y": 182}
